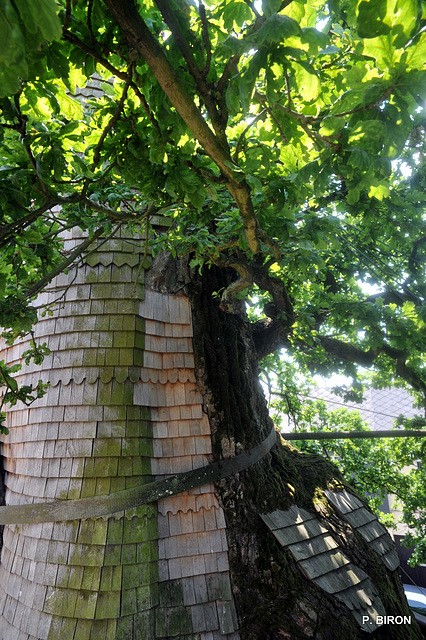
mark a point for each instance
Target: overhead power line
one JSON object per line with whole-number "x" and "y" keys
{"x": 352, "y": 435}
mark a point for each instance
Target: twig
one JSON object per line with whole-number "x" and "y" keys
{"x": 70, "y": 37}
{"x": 145, "y": 105}
{"x": 33, "y": 291}
{"x": 111, "y": 123}
{"x": 242, "y": 136}
{"x": 205, "y": 36}
{"x": 282, "y": 134}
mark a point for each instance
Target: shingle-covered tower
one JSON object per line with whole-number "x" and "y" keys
{"x": 123, "y": 409}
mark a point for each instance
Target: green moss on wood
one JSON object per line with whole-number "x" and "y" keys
{"x": 86, "y": 605}
{"x": 125, "y": 629}
{"x": 125, "y": 466}
{"x": 88, "y": 486}
{"x": 115, "y": 530}
{"x": 88, "y": 555}
{"x": 128, "y": 554}
{"x": 130, "y": 576}
{"x": 75, "y": 577}
{"x": 108, "y": 605}
{"x": 128, "y": 602}
{"x": 83, "y": 630}
{"x": 131, "y": 446}
{"x": 112, "y": 554}
{"x": 89, "y": 358}
{"x": 91, "y": 578}
{"x": 60, "y": 602}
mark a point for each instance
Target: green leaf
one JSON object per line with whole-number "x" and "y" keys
{"x": 236, "y": 13}
{"x": 383, "y": 51}
{"x": 33, "y": 237}
{"x": 328, "y": 50}
{"x": 367, "y": 134}
{"x": 315, "y": 39}
{"x": 359, "y": 159}
{"x": 331, "y": 125}
{"x": 89, "y": 66}
{"x": 416, "y": 53}
{"x": 372, "y": 94}
{"x": 348, "y": 100}
{"x": 370, "y": 18}
{"x": 307, "y": 81}
{"x": 11, "y": 382}
{"x": 10, "y": 77}
{"x": 270, "y": 6}
{"x": 40, "y": 14}
{"x": 248, "y": 80}
{"x": 12, "y": 48}
{"x": 232, "y": 95}
{"x": 277, "y": 28}
{"x": 379, "y": 189}
{"x": 402, "y": 16}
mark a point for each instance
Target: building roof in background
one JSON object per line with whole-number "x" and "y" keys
{"x": 380, "y": 406}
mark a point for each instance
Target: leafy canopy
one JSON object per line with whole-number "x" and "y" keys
{"x": 284, "y": 138}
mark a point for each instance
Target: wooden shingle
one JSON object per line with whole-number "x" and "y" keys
{"x": 321, "y": 560}
{"x": 373, "y": 532}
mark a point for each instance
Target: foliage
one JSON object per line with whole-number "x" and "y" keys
{"x": 285, "y": 139}
{"x": 376, "y": 467}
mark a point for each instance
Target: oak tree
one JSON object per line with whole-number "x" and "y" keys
{"x": 284, "y": 139}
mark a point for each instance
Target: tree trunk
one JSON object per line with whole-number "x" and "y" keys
{"x": 264, "y": 554}
{"x": 274, "y": 596}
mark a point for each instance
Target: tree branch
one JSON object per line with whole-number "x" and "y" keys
{"x": 172, "y": 21}
{"x": 111, "y": 123}
{"x": 394, "y": 297}
{"x": 41, "y": 284}
{"x": 349, "y": 353}
{"x": 126, "y": 14}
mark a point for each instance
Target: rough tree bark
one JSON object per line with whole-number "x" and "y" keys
{"x": 274, "y": 599}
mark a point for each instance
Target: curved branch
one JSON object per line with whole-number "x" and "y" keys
{"x": 41, "y": 284}
{"x": 126, "y": 14}
{"x": 394, "y": 297}
{"x": 173, "y": 23}
{"x": 349, "y": 353}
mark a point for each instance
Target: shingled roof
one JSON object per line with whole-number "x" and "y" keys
{"x": 321, "y": 560}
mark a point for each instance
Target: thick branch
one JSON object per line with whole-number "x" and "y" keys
{"x": 139, "y": 36}
{"x": 173, "y": 23}
{"x": 273, "y": 334}
{"x": 413, "y": 262}
{"x": 394, "y": 297}
{"x": 349, "y": 353}
{"x": 7, "y": 231}
{"x": 269, "y": 335}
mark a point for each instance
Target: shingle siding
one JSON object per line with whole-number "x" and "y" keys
{"x": 123, "y": 408}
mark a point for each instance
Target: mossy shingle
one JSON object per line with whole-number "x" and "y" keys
{"x": 108, "y": 605}
{"x": 86, "y": 605}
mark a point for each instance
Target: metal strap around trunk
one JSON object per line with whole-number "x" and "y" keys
{"x": 106, "y": 505}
